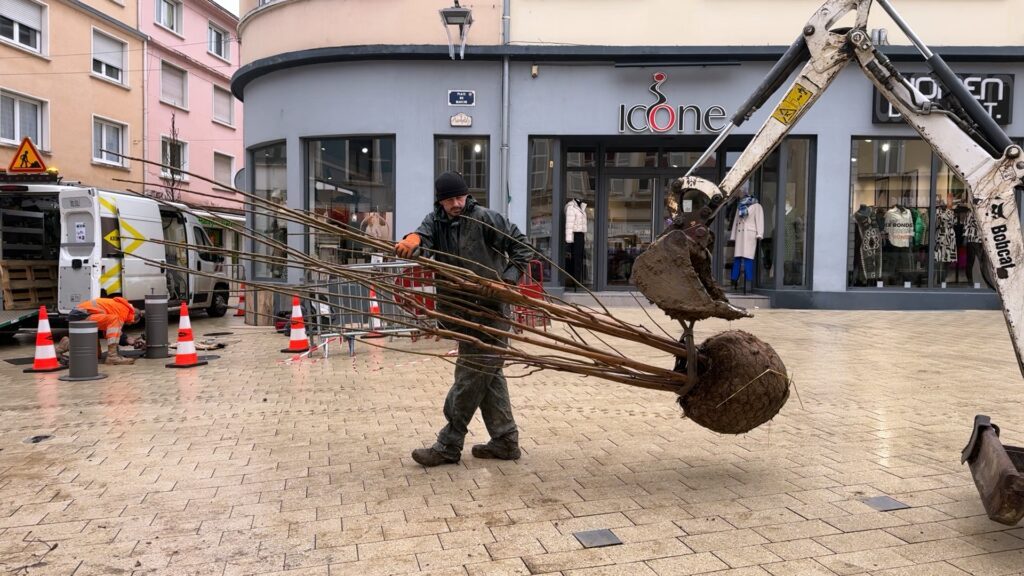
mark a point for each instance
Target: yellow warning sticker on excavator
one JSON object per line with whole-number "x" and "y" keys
{"x": 791, "y": 106}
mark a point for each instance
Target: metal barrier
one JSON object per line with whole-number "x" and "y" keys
{"x": 348, "y": 310}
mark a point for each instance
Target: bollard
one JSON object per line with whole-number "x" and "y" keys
{"x": 156, "y": 326}
{"x": 83, "y": 362}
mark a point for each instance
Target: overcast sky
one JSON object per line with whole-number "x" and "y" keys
{"x": 229, "y": 4}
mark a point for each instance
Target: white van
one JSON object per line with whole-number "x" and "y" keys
{"x": 97, "y": 242}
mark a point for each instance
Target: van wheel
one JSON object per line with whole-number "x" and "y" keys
{"x": 219, "y": 307}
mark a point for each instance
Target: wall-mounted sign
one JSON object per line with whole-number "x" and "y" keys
{"x": 462, "y": 97}
{"x": 661, "y": 117}
{"x": 994, "y": 91}
{"x": 461, "y": 120}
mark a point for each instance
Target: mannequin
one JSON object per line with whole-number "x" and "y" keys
{"x": 899, "y": 231}
{"x": 747, "y": 229}
{"x": 575, "y": 236}
{"x": 945, "y": 240}
{"x": 867, "y": 255}
{"x": 971, "y": 238}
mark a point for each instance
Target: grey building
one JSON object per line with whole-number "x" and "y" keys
{"x": 858, "y": 212}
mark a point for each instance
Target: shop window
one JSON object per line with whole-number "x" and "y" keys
{"x": 647, "y": 158}
{"x": 352, "y": 182}
{"x": 889, "y": 213}
{"x": 794, "y": 217}
{"x": 469, "y": 157}
{"x": 540, "y": 181}
{"x": 959, "y": 255}
{"x": 746, "y": 261}
{"x": 578, "y": 217}
{"x": 270, "y": 182}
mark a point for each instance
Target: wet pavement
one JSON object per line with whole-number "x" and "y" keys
{"x": 252, "y": 465}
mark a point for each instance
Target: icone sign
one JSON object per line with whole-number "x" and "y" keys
{"x": 993, "y": 91}
{"x": 662, "y": 117}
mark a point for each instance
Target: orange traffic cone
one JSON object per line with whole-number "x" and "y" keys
{"x": 240, "y": 310}
{"x": 186, "y": 356}
{"x": 299, "y": 341}
{"x": 46, "y": 355}
{"x": 374, "y": 317}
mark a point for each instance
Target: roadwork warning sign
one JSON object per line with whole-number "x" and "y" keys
{"x": 27, "y": 159}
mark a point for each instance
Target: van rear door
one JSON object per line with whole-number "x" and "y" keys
{"x": 79, "y": 261}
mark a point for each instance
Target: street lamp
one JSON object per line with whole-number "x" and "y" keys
{"x": 461, "y": 17}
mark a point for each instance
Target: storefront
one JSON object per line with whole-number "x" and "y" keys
{"x": 593, "y": 147}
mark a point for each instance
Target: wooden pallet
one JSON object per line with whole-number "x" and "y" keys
{"x": 28, "y": 284}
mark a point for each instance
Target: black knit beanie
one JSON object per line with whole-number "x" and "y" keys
{"x": 449, "y": 185}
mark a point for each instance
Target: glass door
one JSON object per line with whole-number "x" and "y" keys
{"x": 630, "y": 230}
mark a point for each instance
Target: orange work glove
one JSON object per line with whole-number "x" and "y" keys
{"x": 408, "y": 245}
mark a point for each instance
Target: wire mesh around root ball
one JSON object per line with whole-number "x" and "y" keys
{"x": 741, "y": 385}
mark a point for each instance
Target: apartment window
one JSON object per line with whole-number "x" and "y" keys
{"x": 173, "y": 85}
{"x": 108, "y": 57}
{"x": 108, "y": 142}
{"x": 21, "y": 22}
{"x": 217, "y": 42}
{"x": 21, "y": 117}
{"x": 223, "y": 166}
{"x": 223, "y": 106}
{"x": 168, "y": 15}
{"x": 175, "y": 158}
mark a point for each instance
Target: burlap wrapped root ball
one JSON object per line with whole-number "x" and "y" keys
{"x": 741, "y": 385}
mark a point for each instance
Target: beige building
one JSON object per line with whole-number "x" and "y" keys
{"x": 78, "y": 93}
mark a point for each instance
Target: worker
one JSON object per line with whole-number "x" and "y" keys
{"x": 111, "y": 315}
{"x": 462, "y": 233}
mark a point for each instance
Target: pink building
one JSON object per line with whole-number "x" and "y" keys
{"x": 192, "y": 121}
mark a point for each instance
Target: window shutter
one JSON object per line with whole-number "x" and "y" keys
{"x": 223, "y": 103}
{"x": 23, "y": 11}
{"x": 222, "y": 168}
{"x": 107, "y": 50}
{"x": 172, "y": 85}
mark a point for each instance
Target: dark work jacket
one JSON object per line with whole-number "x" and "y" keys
{"x": 479, "y": 248}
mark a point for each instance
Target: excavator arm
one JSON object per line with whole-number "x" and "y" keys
{"x": 962, "y": 134}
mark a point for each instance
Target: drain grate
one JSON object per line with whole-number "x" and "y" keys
{"x": 38, "y": 438}
{"x": 597, "y": 538}
{"x": 885, "y": 503}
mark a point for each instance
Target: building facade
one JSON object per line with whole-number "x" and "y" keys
{"x": 72, "y": 82}
{"x": 354, "y": 122}
{"x": 192, "y": 120}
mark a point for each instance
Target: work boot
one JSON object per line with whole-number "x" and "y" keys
{"x": 114, "y": 357}
{"x": 493, "y": 451}
{"x": 429, "y": 457}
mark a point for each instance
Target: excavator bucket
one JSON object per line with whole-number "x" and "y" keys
{"x": 998, "y": 472}
{"x": 675, "y": 274}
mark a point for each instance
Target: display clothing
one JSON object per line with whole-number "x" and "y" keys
{"x": 747, "y": 228}
{"x": 899, "y": 226}
{"x": 576, "y": 256}
{"x": 868, "y": 246}
{"x": 748, "y": 269}
{"x": 945, "y": 235}
{"x": 575, "y": 219}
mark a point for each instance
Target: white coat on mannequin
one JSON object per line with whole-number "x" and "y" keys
{"x": 747, "y": 231}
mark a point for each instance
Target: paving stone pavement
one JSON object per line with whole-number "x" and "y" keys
{"x": 254, "y": 466}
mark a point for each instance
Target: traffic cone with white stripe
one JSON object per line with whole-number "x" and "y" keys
{"x": 46, "y": 354}
{"x": 186, "y": 356}
{"x": 299, "y": 342}
{"x": 240, "y": 310}
{"x": 374, "y": 317}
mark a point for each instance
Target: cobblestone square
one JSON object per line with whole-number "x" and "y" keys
{"x": 252, "y": 465}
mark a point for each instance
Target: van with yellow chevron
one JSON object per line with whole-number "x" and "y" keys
{"x": 61, "y": 244}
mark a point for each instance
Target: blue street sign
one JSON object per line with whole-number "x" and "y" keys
{"x": 462, "y": 97}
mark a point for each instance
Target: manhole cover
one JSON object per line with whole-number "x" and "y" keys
{"x": 884, "y": 503}
{"x": 37, "y": 439}
{"x": 218, "y": 334}
{"x": 597, "y": 538}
